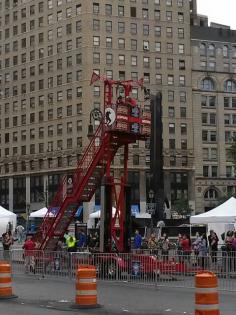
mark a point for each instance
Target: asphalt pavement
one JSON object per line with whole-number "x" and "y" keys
{"x": 47, "y": 296}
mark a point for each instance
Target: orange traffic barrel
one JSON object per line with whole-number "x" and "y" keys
{"x": 5, "y": 281}
{"x": 206, "y": 294}
{"x": 86, "y": 287}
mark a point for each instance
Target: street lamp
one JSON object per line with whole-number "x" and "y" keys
{"x": 151, "y": 195}
{"x": 95, "y": 114}
{"x": 27, "y": 216}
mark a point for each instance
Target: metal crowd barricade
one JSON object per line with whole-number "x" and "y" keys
{"x": 149, "y": 268}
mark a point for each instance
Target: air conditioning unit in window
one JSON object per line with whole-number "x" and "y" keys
{"x": 59, "y": 116}
{"x": 146, "y": 46}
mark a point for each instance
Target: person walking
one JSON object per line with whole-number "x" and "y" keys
{"x": 137, "y": 240}
{"x": 7, "y": 242}
{"x": 29, "y": 247}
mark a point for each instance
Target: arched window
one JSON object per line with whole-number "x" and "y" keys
{"x": 225, "y": 51}
{"x": 211, "y": 50}
{"x": 211, "y": 194}
{"x": 207, "y": 84}
{"x": 230, "y": 86}
{"x": 203, "y": 49}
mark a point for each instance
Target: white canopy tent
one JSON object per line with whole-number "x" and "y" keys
{"x": 97, "y": 214}
{"x": 224, "y": 213}
{"x": 39, "y": 213}
{"x": 220, "y": 219}
{"x": 6, "y": 217}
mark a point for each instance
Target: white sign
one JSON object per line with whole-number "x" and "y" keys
{"x": 110, "y": 116}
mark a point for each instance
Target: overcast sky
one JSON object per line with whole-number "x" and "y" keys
{"x": 220, "y": 11}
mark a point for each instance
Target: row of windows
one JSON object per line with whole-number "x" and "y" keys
{"x": 26, "y": 13}
{"x": 22, "y": 106}
{"x": 58, "y": 96}
{"x": 146, "y": 28}
{"x": 210, "y": 170}
{"x": 208, "y": 84}
{"x": 183, "y": 144}
{"x": 52, "y": 130}
{"x": 121, "y": 44}
{"x": 210, "y": 50}
{"x": 60, "y": 31}
{"x": 183, "y": 128}
{"x": 43, "y": 164}
{"x": 145, "y": 13}
{"x": 50, "y": 146}
{"x": 213, "y": 66}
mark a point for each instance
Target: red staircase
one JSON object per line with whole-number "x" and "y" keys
{"x": 96, "y": 161}
{"x": 86, "y": 180}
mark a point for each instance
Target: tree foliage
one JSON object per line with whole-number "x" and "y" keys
{"x": 181, "y": 206}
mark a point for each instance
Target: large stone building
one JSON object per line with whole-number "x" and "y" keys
{"x": 49, "y": 50}
{"x": 214, "y": 112}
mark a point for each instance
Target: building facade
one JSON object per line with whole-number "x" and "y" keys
{"x": 49, "y": 50}
{"x": 214, "y": 112}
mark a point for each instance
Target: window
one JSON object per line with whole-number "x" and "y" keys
{"x": 211, "y": 50}
{"x": 108, "y": 25}
{"x": 121, "y": 10}
{"x": 225, "y": 51}
{"x": 121, "y": 27}
{"x": 170, "y": 80}
{"x": 181, "y": 48}
{"x": 230, "y": 86}
{"x": 169, "y": 15}
{"x": 133, "y": 12}
{"x": 207, "y": 84}
{"x": 96, "y": 25}
{"x": 121, "y": 59}
{"x": 108, "y": 9}
{"x": 145, "y": 13}
{"x": 133, "y": 28}
{"x": 78, "y": 9}
{"x": 96, "y": 8}
{"x": 96, "y": 40}
{"x": 171, "y": 128}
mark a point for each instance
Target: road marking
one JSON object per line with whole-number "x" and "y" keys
{"x": 168, "y": 310}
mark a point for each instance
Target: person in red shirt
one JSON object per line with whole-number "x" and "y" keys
{"x": 186, "y": 246}
{"x": 29, "y": 247}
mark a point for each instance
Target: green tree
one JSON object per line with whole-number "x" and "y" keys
{"x": 181, "y": 206}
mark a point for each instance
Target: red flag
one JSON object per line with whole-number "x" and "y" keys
{"x": 95, "y": 77}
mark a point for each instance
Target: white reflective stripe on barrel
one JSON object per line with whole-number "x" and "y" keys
{"x": 5, "y": 275}
{"x": 206, "y": 290}
{"x": 88, "y": 280}
{"x": 5, "y": 285}
{"x": 207, "y": 307}
{"x": 86, "y": 292}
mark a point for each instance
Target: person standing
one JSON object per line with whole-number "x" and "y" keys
{"x": 202, "y": 254}
{"x": 71, "y": 244}
{"x": 165, "y": 246}
{"x": 137, "y": 240}
{"x": 29, "y": 247}
{"x": 186, "y": 246}
{"x": 20, "y": 233}
{"x": 213, "y": 245}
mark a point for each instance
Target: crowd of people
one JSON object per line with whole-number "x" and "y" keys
{"x": 201, "y": 247}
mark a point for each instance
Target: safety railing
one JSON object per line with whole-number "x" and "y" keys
{"x": 175, "y": 269}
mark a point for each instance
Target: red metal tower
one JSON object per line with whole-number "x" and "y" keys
{"x": 123, "y": 123}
